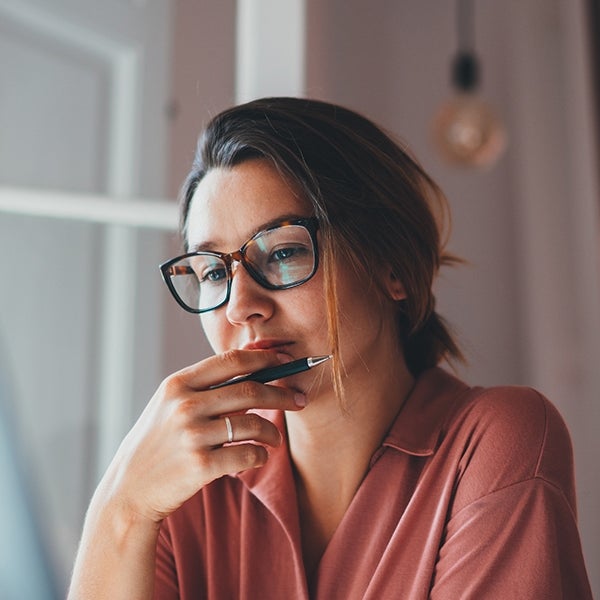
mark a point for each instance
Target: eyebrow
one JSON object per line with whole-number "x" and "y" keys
{"x": 209, "y": 246}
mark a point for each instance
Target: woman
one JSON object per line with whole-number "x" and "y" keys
{"x": 374, "y": 475}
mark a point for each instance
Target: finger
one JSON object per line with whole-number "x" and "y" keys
{"x": 250, "y": 427}
{"x": 232, "y": 363}
{"x": 248, "y": 395}
{"x": 242, "y": 428}
{"x": 237, "y": 458}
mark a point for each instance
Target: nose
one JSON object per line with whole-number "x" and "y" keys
{"x": 248, "y": 300}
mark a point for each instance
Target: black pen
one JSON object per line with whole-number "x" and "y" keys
{"x": 273, "y": 373}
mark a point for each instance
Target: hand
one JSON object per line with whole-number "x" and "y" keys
{"x": 177, "y": 445}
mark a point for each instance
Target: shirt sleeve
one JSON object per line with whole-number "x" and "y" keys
{"x": 518, "y": 542}
{"x": 512, "y": 531}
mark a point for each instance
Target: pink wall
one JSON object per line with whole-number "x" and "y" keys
{"x": 203, "y": 84}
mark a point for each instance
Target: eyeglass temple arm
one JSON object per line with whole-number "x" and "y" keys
{"x": 175, "y": 270}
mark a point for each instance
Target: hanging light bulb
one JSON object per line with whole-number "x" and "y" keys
{"x": 466, "y": 130}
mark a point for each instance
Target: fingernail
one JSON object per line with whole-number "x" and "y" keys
{"x": 284, "y": 358}
{"x": 300, "y": 400}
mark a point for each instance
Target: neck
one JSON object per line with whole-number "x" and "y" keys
{"x": 349, "y": 433}
{"x": 331, "y": 447}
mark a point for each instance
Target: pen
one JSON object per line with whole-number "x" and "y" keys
{"x": 273, "y": 373}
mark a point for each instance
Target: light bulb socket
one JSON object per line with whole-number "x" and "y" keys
{"x": 465, "y": 71}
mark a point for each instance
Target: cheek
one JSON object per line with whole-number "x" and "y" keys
{"x": 359, "y": 305}
{"x": 214, "y": 329}
{"x": 308, "y": 301}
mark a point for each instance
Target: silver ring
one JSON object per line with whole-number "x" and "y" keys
{"x": 229, "y": 429}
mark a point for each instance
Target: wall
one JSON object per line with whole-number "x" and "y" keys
{"x": 202, "y": 85}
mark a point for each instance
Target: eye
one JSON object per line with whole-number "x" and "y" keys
{"x": 214, "y": 275}
{"x": 283, "y": 253}
{"x": 209, "y": 269}
{"x": 287, "y": 253}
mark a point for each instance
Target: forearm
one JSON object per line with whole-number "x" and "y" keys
{"x": 116, "y": 554}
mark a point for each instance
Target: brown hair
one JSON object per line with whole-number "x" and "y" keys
{"x": 375, "y": 204}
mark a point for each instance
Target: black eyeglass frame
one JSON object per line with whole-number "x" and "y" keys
{"x": 311, "y": 224}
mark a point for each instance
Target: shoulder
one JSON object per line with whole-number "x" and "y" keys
{"x": 516, "y": 414}
{"x": 515, "y": 420}
{"x": 508, "y": 435}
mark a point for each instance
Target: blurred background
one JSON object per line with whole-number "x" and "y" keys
{"x": 100, "y": 108}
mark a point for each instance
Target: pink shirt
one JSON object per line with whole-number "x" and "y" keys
{"x": 471, "y": 495}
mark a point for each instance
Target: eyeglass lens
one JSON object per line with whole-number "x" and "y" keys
{"x": 277, "y": 259}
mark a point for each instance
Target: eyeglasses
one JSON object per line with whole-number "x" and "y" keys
{"x": 277, "y": 258}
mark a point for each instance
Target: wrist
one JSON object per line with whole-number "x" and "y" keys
{"x": 117, "y": 551}
{"x": 120, "y": 516}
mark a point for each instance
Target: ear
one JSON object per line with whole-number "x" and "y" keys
{"x": 394, "y": 286}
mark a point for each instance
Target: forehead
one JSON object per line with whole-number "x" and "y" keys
{"x": 231, "y": 204}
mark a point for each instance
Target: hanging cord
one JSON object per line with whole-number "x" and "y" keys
{"x": 465, "y": 25}
{"x": 465, "y": 69}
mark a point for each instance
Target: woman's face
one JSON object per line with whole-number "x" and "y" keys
{"x": 231, "y": 205}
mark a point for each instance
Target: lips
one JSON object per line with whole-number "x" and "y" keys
{"x": 266, "y": 344}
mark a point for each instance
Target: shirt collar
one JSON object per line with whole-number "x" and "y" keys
{"x": 418, "y": 426}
